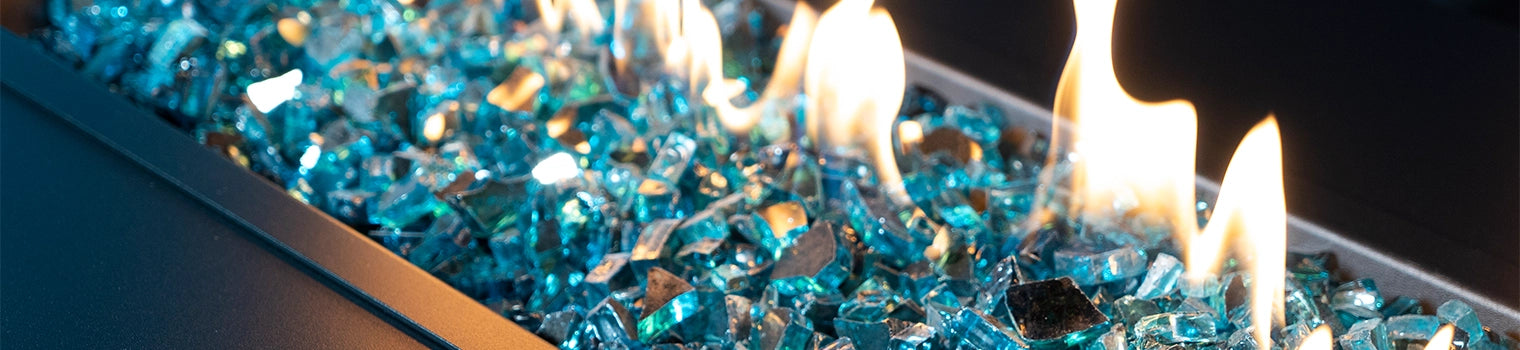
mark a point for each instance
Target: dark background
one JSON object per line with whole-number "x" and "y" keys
{"x": 1399, "y": 118}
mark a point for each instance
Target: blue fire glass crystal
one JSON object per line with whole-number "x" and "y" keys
{"x": 1088, "y": 267}
{"x": 1402, "y": 306}
{"x": 1177, "y": 328}
{"x": 1161, "y": 278}
{"x": 668, "y": 301}
{"x": 654, "y": 245}
{"x": 1293, "y": 335}
{"x": 866, "y": 335}
{"x": 915, "y": 337}
{"x": 814, "y": 254}
{"x": 777, "y": 226}
{"x": 557, "y": 326}
{"x": 404, "y": 203}
{"x": 980, "y": 331}
{"x": 1371, "y": 334}
{"x": 872, "y": 301}
{"x": 1359, "y": 298}
{"x": 498, "y": 205}
{"x": 1462, "y": 316}
{"x": 1129, "y": 309}
{"x": 1241, "y": 339}
{"x": 1112, "y": 340}
{"x": 1412, "y": 327}
{"x": 843, "y": 343}
{"x": 781, "y": 329}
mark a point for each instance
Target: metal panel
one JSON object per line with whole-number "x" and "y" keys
{"x": 350, "y": 263}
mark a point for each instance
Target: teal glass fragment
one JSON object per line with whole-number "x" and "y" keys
{"x": 1177, "y": 328}
{"x": 1462, "y": 316}
{"x": 1359, "y": 298}
{"x": 1369, "y": 334}
{"x": 1161, "y": 278}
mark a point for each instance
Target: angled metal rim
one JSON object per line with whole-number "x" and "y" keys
{"x": 349, "y": 262}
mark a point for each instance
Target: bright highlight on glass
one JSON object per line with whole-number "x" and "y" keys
{"x": 558, "y": 167}
{"x": 270, "y": 93}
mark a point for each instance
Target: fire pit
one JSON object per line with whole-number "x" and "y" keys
{"x": 591, "y": 192}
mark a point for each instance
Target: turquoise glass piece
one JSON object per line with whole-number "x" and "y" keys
{"x": 1088, "y": 267}
{"x": 781, "y": 329}
{"x": 865, "y": 335}
{"x": 1402, "y": 305}
{"x": 557, "y": 326}
{"x": 404, "y": 203}
{"x": 980, "y": 331}
{"x": 701, "y": 255}
{"x": 814, "y": 254}
{"x": 611, "y": 273}
{"x": 1161, "y": 278}
{"x": 1360, "y": 298}
{"x": 1412, "y": 327}
{"x": 1114, "y": 339}
{"x": 738, "y": 320}
{"x": 1177, "y": 328}
{"x": 872, "y": 301}
{"x": 915, "y": 337}
{"x": 1241, "y": 339}
{"x": 1369, "y": 334}
{"x": 1462, "y": 316}
{"x": 654, "y": 199}
{"x": 1129, "y": 309}
{"x": 1004, "y": 274}
{"x": 609, "y": 324}
{"x": 710, "y": 223}
{"x": 844, "y": 343}
{"x": 1300, "y": 306}
{"x": 674, "y": 157}
{"x": 654, "y": 245}
{"x": 668, "y": 301}
{"x": 778, "y": 225}
{"x": 498, "y": 205}
{"x": 1293, "y": 335}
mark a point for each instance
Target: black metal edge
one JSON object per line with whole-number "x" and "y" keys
{"x": 1395, "y": 276}
{"x": 354, "y": 265}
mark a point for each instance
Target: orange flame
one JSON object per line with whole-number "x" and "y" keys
{"x": 784, "y": 83}
{"x": 1251, "y": 203}
{"x": 1127, "y": 148}
{"x": 854, "y": 81}
{"x": 582, "y": 13}
{"x": 1135, "y": 156}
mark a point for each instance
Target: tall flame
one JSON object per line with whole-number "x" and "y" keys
{"x": 854, "y": 81}
{"x": 1138, "y": 156}
{"x": 1127, "y": 148}
{"x": 1251, "y": 204}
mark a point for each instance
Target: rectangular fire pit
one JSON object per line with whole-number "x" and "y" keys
{"x": 410, "y": 300}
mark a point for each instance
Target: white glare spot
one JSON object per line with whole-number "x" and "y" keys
{"x": 270, "y": 93}
{"x": 309, "y": 159}
{"x": 557, "y": 167}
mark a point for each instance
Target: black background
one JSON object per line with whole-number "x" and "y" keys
{"x": 1399, "y": 118}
